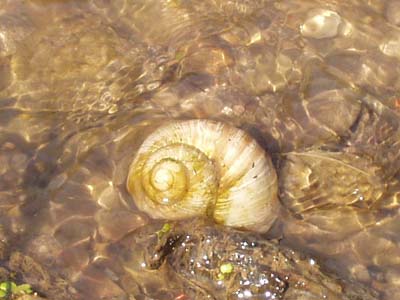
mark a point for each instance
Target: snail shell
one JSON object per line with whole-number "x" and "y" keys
{"x": 205, "y": 168}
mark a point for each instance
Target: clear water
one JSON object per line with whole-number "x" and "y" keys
{"x": 82, "y": 83}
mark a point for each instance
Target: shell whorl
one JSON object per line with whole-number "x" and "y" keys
{"x": 201, "y": 167}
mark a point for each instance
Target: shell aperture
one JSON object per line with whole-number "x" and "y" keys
{"x": 205, "y": 168}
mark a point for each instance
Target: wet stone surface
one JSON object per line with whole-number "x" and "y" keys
{"x": 227, "y": 264}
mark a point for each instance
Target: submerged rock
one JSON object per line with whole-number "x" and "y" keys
{"x": 328, "y": 180}
{"x": 392, "y": 12}
{"x": 219, "y": 263}
{"x": 320, "y": 24}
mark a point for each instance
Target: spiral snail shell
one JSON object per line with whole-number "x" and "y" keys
{"x": 205, "y": 168}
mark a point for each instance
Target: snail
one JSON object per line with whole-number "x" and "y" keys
{"x": 205, "y": 168}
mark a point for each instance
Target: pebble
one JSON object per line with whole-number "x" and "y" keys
{"x": 321, "y": 24}
{"x": 391, "y": 47}
{"x": 392, "y": 12}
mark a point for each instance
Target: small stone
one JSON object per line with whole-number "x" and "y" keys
{"x": 391, "y": 47}
{"x": 392, "y": 12}
{"x": 3, "y": 250}
{"x": 321, "y": 24}
{"x": 113, "y": 225}
{"x": 4, "y": 274}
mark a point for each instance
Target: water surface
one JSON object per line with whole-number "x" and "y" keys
{"x": 82, "y": 83}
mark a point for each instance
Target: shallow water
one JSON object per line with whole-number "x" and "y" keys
{"x": 82, "y": 83}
